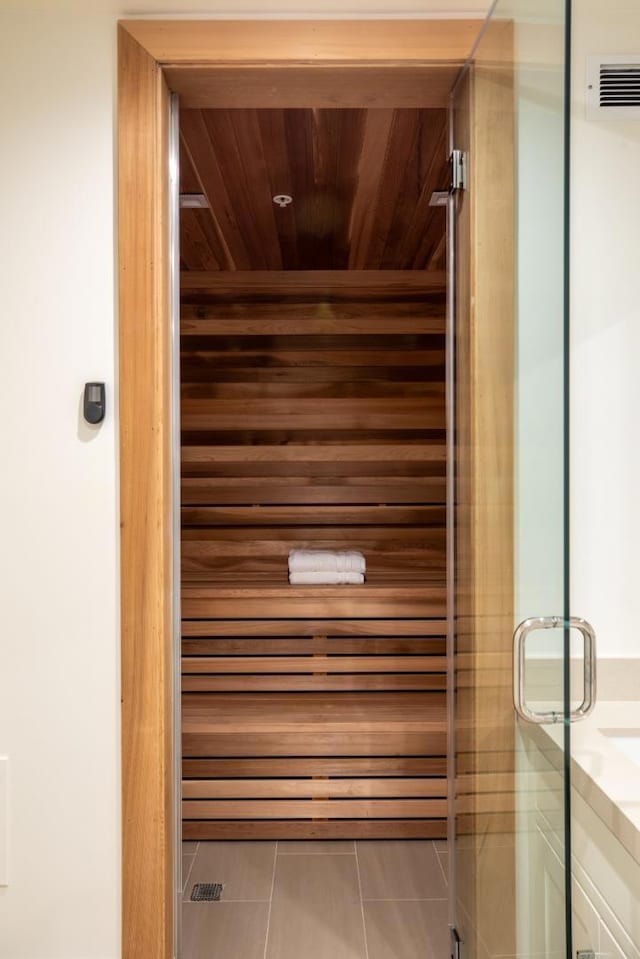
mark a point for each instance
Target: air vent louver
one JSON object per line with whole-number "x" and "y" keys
{"x": 613, "y": 87}
{"x": 619, "y": 85}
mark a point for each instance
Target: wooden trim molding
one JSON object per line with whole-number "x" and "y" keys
{"x": 272, "y": 41}
{"x": 484, "y": 590}
{"x": 145, "y": 505}
{"x": 144, "y": 47}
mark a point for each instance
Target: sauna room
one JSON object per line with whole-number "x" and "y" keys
{"x": 313, "y": 509}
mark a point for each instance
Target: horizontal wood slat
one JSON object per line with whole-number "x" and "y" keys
{"x": 196, "y": 322}
{"x": 265, "y": 742}
{"x": 324, "y": 453}
{"x": 297, "y": 682}
{"x": 374, "y": 766}
{"x": 411, "y": 537}
{"x": 312, "y": 663}
{"x": 316, "y": 829}
{"x": 311, "y": 627}
{"x": 216, "y": 647}
{"x": 305, "y": 425}
{"x": 314, "y": 809}
{"x": 208, "y": 491}
{"x": 313, "y": 788}
{"x": 268, "y": 602}
{"x": 318, "y": 285}
{"x": 430, "y": 516}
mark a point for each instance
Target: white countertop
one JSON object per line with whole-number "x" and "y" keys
{"x": 603, "y": 773}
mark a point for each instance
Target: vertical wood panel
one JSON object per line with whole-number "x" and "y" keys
{"x": 485, "y": 721}
{"x": 145, "y": 505}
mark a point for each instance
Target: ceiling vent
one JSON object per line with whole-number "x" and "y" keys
{"x": 613, "y": 87}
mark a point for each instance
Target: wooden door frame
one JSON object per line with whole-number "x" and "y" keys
{"x": 154, "y": 57}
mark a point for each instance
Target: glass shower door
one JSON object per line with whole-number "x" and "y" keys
{"x": 510, "y": 861}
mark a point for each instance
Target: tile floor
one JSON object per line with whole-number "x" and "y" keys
{"x": 317, "y": 900}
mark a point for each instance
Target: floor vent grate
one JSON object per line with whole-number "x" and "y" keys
{"x": 207, "y": 892}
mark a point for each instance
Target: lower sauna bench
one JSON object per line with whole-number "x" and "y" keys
{"x": 318, "y": 725}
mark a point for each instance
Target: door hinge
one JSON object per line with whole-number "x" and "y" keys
{"x": 458, "y": 161}
{"x": 456, "y": 944}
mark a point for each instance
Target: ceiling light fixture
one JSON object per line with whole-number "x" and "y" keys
{"x": 282, "y": 200}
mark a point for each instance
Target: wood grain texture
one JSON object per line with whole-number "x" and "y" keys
{"x": 289, "y": 41}
{"x": 311, "y": 627}
{"x": 485, "y": 496}
{"x": 315, "y": 809}
{"x": 361, "y": 182}
{"x": 302, "y": 602}
{"x": 318, "y": 829}
{"x": 319, "y": 285}
{"x": 388, "y": 787}
{"x": 320, "y": 85}
{"x": 370, "y": 766}
{"x": 310, "y": 454}
{"x": 145, "y": 506}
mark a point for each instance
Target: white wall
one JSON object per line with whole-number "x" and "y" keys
{"x": 59, "y": 710}
{"x": 605, "y": 396}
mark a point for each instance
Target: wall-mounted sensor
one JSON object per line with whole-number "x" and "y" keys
{"x": 94, "y": 402}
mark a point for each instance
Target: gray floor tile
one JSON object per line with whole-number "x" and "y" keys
{"x": 224, "y": 930}
{"x": 400, "y": 869}
{"x": 407, "y": 930}
{"x": 325, "y": 880}
{"x": 316, "y": 847}
{"x": 187, "y": 864}
{"x": 444, "y": 862}
{"x": 244, "y": 868}
{"x": 306, "y": 930}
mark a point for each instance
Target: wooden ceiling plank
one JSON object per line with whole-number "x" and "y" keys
{"x": 189, "y": 180}
{"x": 198, "y": 145}
{"x": 240, "y": 212}
{"x": 274, "y": 145}
{"x": 196, "y": 249}
{"x": 322, "y": 200}
{"x": 402, "y": 142}
{"x": 372, "y": 159}
{"x": 427, "y": 232}
{"x": 411, "y": 198}
{"x": 438, "y": 259}
{"x": 299, "y": 140}
{"x": 350, "y": 145}
{"x": 253, "y": 161}
{"x": 202, "y": 245}
{"x": 416, "y": 219}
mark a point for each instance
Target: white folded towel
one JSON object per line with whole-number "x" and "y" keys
{"x": 315, "y": 560}
{"x": 326, "y": 577}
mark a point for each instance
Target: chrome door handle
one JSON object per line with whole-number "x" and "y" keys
{"x": 589, "y": 670}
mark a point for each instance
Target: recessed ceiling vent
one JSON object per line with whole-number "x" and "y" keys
{"x": 613, "y": 87}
